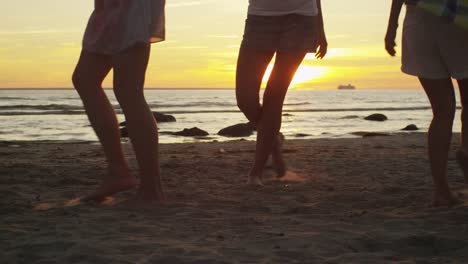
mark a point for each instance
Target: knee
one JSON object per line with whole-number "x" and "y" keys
{"x": 77, "y": 80}
{"x": 84, "y": 83}
{"x": 242, "y": 105}
{"x": 251, "y": 110}
{"x": 248, "y": 106}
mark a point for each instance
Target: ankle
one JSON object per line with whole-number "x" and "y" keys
{"x": 256, "y": 173}
{"x": 151, "y": 194}
{"x": 120, "y": 170}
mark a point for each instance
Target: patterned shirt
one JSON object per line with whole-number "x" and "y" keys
{"x": 455, "y": 11}
{"x": 449, "y": 9}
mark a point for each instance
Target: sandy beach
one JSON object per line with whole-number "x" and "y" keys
{"x": 360, "y": 200}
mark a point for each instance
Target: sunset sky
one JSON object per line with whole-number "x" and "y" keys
{"x": 40, "y": 42}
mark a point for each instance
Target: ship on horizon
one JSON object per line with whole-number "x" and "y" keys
{"x": 346, "y": 87}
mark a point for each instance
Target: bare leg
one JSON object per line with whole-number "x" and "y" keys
{"x": 442, "y": 97}
{"x": 251, "y": 67}
{"x": 87, "y": 79}
{"x": 269, "y": 125}
{"x": 463, "y": 84}
{"x": 129, "y": 77}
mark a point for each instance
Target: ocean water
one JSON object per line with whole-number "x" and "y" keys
{"x": 58, "y": 115}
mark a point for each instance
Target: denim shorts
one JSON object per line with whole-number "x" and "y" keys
{"x": 281, "y": 33}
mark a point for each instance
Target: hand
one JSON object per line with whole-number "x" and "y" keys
{"x": 322, "y": 45}
{"x": 390, "y": 43}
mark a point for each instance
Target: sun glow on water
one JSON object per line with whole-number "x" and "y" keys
{"x": 303, "y": 74}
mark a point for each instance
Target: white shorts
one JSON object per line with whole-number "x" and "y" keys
{"x": 432, "y": 47}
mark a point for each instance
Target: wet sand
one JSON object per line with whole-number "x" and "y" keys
{"x": 361, "y": 200}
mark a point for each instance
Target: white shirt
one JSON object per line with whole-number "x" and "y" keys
{"x": 283, "y": 7}
{"x": 118, "y": 24}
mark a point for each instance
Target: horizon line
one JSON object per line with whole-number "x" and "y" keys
{"x": 179, "y": 88}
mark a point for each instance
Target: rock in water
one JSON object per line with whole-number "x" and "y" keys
{"x": 376, "y": 117}
{"x": 191, "y": 132}
{"x": 411, "y": 127}
{"x": 370, "y": 134}
{"x": 239, "y": 130}
{"x": 300, "y": 135}
{"x": 164, "y": 118}
{"x": 160, "y": 118}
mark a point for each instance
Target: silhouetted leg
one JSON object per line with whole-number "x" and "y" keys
{"x": 251, "y": 66}
{"x": 129, "y": 78}
{"x": 87, "y": 79}
{"x": 463, "y": 85}
{"x": 442, "y": 97}
{"x": 269, "y": 125}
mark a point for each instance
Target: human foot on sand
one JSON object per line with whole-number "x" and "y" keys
{"x": 277, "y": 156}
{"x": 112, "y": 184}
{"x": 444, "y": 199}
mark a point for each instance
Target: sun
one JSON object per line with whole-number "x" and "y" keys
{"x": 303, "y": 74}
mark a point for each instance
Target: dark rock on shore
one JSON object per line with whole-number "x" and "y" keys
{"x": 376, "y": 117}
{"x": 374, "y": 134}
{"x": 191, "y": 132}
{"x": 370, "y": 134}
{"x": 411, "y": 127}
{"x": 239, "y": 130}
{"x": 164, "y": 118}
{"x": 160, "y": 118}
{"x": 301, "y": 135}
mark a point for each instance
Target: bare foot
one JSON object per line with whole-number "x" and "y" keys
{"x": 254, "y": 180}
{"x": 109, "y": 186}
{"x": 445, "y": 199}
{"x": 277, "y": 156}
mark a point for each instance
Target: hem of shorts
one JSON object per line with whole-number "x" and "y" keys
{"x": 267, "y": 14}
{"x": 110, "y": 53}
{"x": 425, "y": 76}
{"x": 155, "y": 40}
{"x": 99, "y": 52}
{"x": 461, "y": 76}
